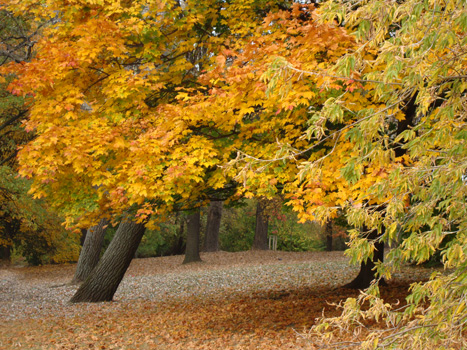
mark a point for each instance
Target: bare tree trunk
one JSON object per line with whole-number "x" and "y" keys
{"x": 367, "y": 273}
{"x": 328, "y": 232}
{"x": 211, "y": 238}
{"x": 83, "y": 236}
{"x": 5, "y": 255}
{"x": 260, "y": 241}
{"x": 179, "y": 247}
{"x": 192, "y": 238}
{"x": 103, "y": 281}
{"x": 91, "y": 251}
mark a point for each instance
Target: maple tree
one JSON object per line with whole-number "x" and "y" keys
{"x": 103, "y": 281}
{"x": 111, "y": 133}
{"x": 119, "y": 127}
{"x": 269, "y": 108}
{"x": 107, "y": 81}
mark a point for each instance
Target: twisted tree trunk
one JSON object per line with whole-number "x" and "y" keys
{"x": 91, "y": 251}
{"x": 103, "y": 281}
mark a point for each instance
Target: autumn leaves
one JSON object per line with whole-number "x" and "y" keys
{"x": 254, "y": 98}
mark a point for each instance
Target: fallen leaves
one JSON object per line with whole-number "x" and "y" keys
{"x": 244, "y": 300}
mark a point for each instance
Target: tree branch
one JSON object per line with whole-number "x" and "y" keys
{"x": 13, "y": 119}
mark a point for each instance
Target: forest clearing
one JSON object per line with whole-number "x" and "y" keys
{"x": 166, "y": 129}
{"x": 243, "y": 300}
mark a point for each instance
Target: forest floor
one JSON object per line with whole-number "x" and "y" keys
{"x": 245, "y": 300}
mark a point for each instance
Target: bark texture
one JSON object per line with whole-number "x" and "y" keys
{"x": 103, "y": 281}
{"x": 211, "y": 238}
{"x": 192, "y": 238}
{"x": 367, "y": 272}
{"x": 260, "y": 241}
{"x": 91, "y": 251}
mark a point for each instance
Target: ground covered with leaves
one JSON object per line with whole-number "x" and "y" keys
{"x": 245, "y": 300}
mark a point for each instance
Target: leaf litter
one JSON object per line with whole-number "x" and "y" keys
{"x": 244, "y": 300}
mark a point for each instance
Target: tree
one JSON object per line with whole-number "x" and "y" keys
{"x": 367, "y": 274}
{"x": 90, "y": 251}
{"x": 5, "y": 255}
{"x": 260, "y": 241}
{"x": 193, "y": 226}
{"x": 211, "y": 237}
{"x": 135, "y": 145}
{"x": 104, "y": 279}
{"x": 328, "y": 234}
{"x": 110, "y": 82}
{"x": 31, "y": 225}
{"x": 424, "y": 194}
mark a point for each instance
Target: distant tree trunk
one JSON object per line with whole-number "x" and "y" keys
{"x": 103, "y": 281}
{"x": 91, "y": 251}
{"x": 328, "y": 232}
{"x": 5, "y": 255}
{"x": 83, "y": 236}
{"x": 179, "y": 247}
{"x": 260, "y": 241}
{"x": 211, "y": 238}
{"x": 367, "y": 274}
{"x": 192, "y": 238}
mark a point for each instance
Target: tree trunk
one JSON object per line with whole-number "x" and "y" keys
{"x": 192, "y": 238}
{"x": 328, "y": 232}
{"x": 260, "y": 241}
{"x": 91, "y": 251}
{"x": 5, "y": 255}
{"x": 83, "y": 236}
{"x": 179, "y": 247}
{"x": 367, "y": 273}
{"x": 211, "y": 238}
{"x": 103, "y": 281}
